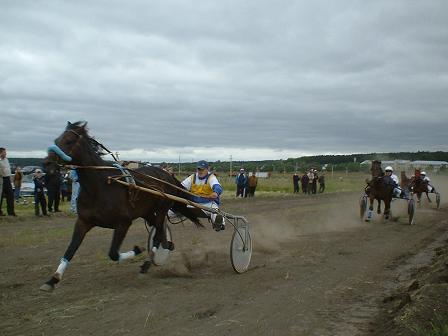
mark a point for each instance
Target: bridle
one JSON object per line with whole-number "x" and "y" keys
{"x": 77, "y": 144}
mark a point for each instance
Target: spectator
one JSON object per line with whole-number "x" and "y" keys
{"x": 253, "y": 180}
{"x": 18, "y": 177}
{"x": 66, "y": 188}
{"x": 304, "y": 180}
{"x": 322, "y": 182}
{"x": 315, "y": 178}
{"x": 310, "y": 181}
{"x": 5, "y": 173}
{"x": 1, "y": 191}
{"x": 39, "y": 193}
{"x": 75, "y": 191}
{"x": 295, "y": 182}
{"x": 241, "y": 181}
{"x": 53, "y": 184}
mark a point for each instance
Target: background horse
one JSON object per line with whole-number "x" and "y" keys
{"x": 108, "y": 204}
{"x": 415, "y": 184}
{"x": 379, "y": 188}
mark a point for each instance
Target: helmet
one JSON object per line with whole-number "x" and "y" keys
{"x": 389, "y": 168}
{"x": 423, "y": 173}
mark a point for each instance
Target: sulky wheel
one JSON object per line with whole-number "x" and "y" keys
{"x": 161, "y": 255}
{"x": 241, "y": 249}
{"x": 411, "y": 210}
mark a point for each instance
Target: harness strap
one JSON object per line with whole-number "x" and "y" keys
{"x": 127, "y": 176}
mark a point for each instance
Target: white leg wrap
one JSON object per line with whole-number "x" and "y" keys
{"x": 126, "y": 255}
{"x": 62, "y": 266}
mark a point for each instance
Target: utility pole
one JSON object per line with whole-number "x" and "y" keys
{"x": 230, "y": 171}
{"x": 179, "y": 164}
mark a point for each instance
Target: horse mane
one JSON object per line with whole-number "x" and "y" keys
{"x": 81, "y": 128}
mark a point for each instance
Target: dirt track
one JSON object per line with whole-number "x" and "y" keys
{"x": 316, "y": 270}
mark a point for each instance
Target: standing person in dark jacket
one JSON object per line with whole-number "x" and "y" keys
{"x": 315, "y": 178}
{"x": 295, "y": 182}
{"x": 322, "y": 182}
{"x": 241, "y": 181}
{"x": 53, "y": 184}
{"x": 39, "y": 193}
{"x": 305, "y": 180}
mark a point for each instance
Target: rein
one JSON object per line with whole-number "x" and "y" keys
{"x": 132, "y": 170}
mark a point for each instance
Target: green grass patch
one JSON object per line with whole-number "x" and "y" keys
{"x": 280, "y": 184}
{"x": 438, "y": 327}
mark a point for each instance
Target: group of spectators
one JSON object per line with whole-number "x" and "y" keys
{"x": 309, "y": 182}
{"x": 246, "y": 185}
{"x": 54, "y": 185}
{"x": 60, "y": 186}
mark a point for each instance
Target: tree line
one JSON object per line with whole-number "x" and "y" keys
{"x": 349, "y": 162}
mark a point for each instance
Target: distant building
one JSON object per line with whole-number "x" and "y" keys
{"x": 261, "y": 174}
{"x": 434, "y": 165}
{"x": 404, "y": 165}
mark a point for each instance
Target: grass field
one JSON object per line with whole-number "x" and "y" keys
{"x": 282, "y": 184}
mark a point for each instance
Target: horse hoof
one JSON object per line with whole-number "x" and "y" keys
{"x": 144, "y": 268}
{"x": 169, "y": 245}
{"x": 137, "y": 250}
{"x": 367, "y": 220}
{"x": 46, "y": 288}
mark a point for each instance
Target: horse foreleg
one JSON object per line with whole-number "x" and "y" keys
{"x": 370, "y": 211}
{"x": 378, "y": 210}
{"x": 387, "y": 208}
{"x": 79, "y": 232}
{"x": 427, "y": 196}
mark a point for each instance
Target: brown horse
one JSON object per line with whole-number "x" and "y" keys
{"x": 416, "y": 184}
{"x": 111, "y": 205}
{"x": 379, "y": 188}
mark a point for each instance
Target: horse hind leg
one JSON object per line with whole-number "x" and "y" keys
{"x": 378, "y": 210}
{"x": 160, "y": 238}
{"x": 117, "y": 240}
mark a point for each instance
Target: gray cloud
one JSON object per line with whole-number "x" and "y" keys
{"x": 283, "y": 78}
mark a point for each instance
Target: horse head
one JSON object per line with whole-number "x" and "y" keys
{"x": 376, "y": 169}
{"x": 73, "y": 146}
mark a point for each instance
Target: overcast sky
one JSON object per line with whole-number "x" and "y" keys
{"x": 212, "y": 79}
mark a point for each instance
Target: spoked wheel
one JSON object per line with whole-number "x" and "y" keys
{"x": 241, "y": 249}
{"x": 161, "y": 255}
{"x": 437, "y": 200}
{"x": 411, "y": 211}
{"x": 362, "y": 206}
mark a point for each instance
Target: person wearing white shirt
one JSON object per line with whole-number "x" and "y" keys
{"x": 5, "y": 173}
{"x": 425, "y": 178}
{"x": 398, "y": 192}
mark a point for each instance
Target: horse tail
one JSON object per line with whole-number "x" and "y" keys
{"x": 187, "y": 212}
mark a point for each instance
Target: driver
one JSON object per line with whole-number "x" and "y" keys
{"x": 207, "y": 188}
{"x": 398, "y": 192}
{"x": 425, "y": 178}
